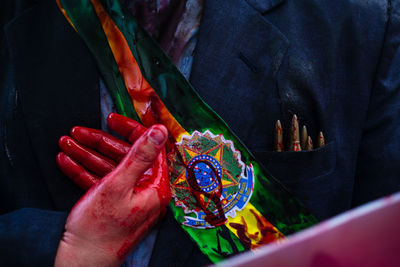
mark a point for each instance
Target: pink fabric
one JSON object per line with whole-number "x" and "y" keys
{"x": 367, "y": 236}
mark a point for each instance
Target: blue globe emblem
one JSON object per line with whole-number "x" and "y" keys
{"x": 206, "y": 170}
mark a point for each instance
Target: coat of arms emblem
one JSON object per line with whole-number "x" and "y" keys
{"x": 208, "y": 179}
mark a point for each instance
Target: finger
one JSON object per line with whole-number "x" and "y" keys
{"x": 140, "y": 157}
{"x": 125, "y": 127}
{"x": 102, "y": 142}
{"x": 278, "y": 137}
{"x": 76, "y": 172}
{"x": 295, "y": 135}
{"x": 92, "y": 160}
{"x": 321, "y": 140}
{"x": 157, "y": 179}
{"x": 304, "y": 137}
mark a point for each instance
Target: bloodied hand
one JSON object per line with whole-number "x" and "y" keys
{"x": 120, "y": 208}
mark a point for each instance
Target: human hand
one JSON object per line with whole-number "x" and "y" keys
{"x": 118, "y": 210}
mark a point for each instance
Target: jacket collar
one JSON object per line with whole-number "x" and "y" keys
{"x": 264, "y": 6}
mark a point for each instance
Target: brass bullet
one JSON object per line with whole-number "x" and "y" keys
{"x": 278, "y": 144}
{"x": 304, "y": 136}
{"x": 295, "y": 135}
{"x": 321, "y": 140}
{"x": 309, "y": 145}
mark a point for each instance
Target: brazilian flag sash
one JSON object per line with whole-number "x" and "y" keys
{"x": 223, "y": 198}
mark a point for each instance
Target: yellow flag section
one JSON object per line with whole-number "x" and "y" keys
{"x": 251, "y": 227}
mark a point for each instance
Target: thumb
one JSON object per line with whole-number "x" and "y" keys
{"x": 141, "y": 156}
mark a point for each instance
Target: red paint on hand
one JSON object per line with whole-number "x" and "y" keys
{"x": 91, "y": 159}
{"x": 115, "y": 214}
{"x": 104, "y": 143}
{"x": 76, "y": 172}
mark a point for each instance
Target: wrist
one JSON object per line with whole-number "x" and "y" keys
{"x": 74, "y": 251}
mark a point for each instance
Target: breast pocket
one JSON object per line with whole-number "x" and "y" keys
{"x": 307, "y": 174}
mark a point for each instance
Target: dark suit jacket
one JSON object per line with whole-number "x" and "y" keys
{"x": 336, "y": 64}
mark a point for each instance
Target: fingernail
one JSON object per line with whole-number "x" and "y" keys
{"x": 64, "y": 141}
{"x": 74, "y": 130}
{"x": 111, "y": 116}
{"x": 156, "y": 136}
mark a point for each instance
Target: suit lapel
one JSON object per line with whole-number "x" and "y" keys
{"x": 236, "y": 60}
{"x": 57, "y": 83}
{"x": 264, "y": 6}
